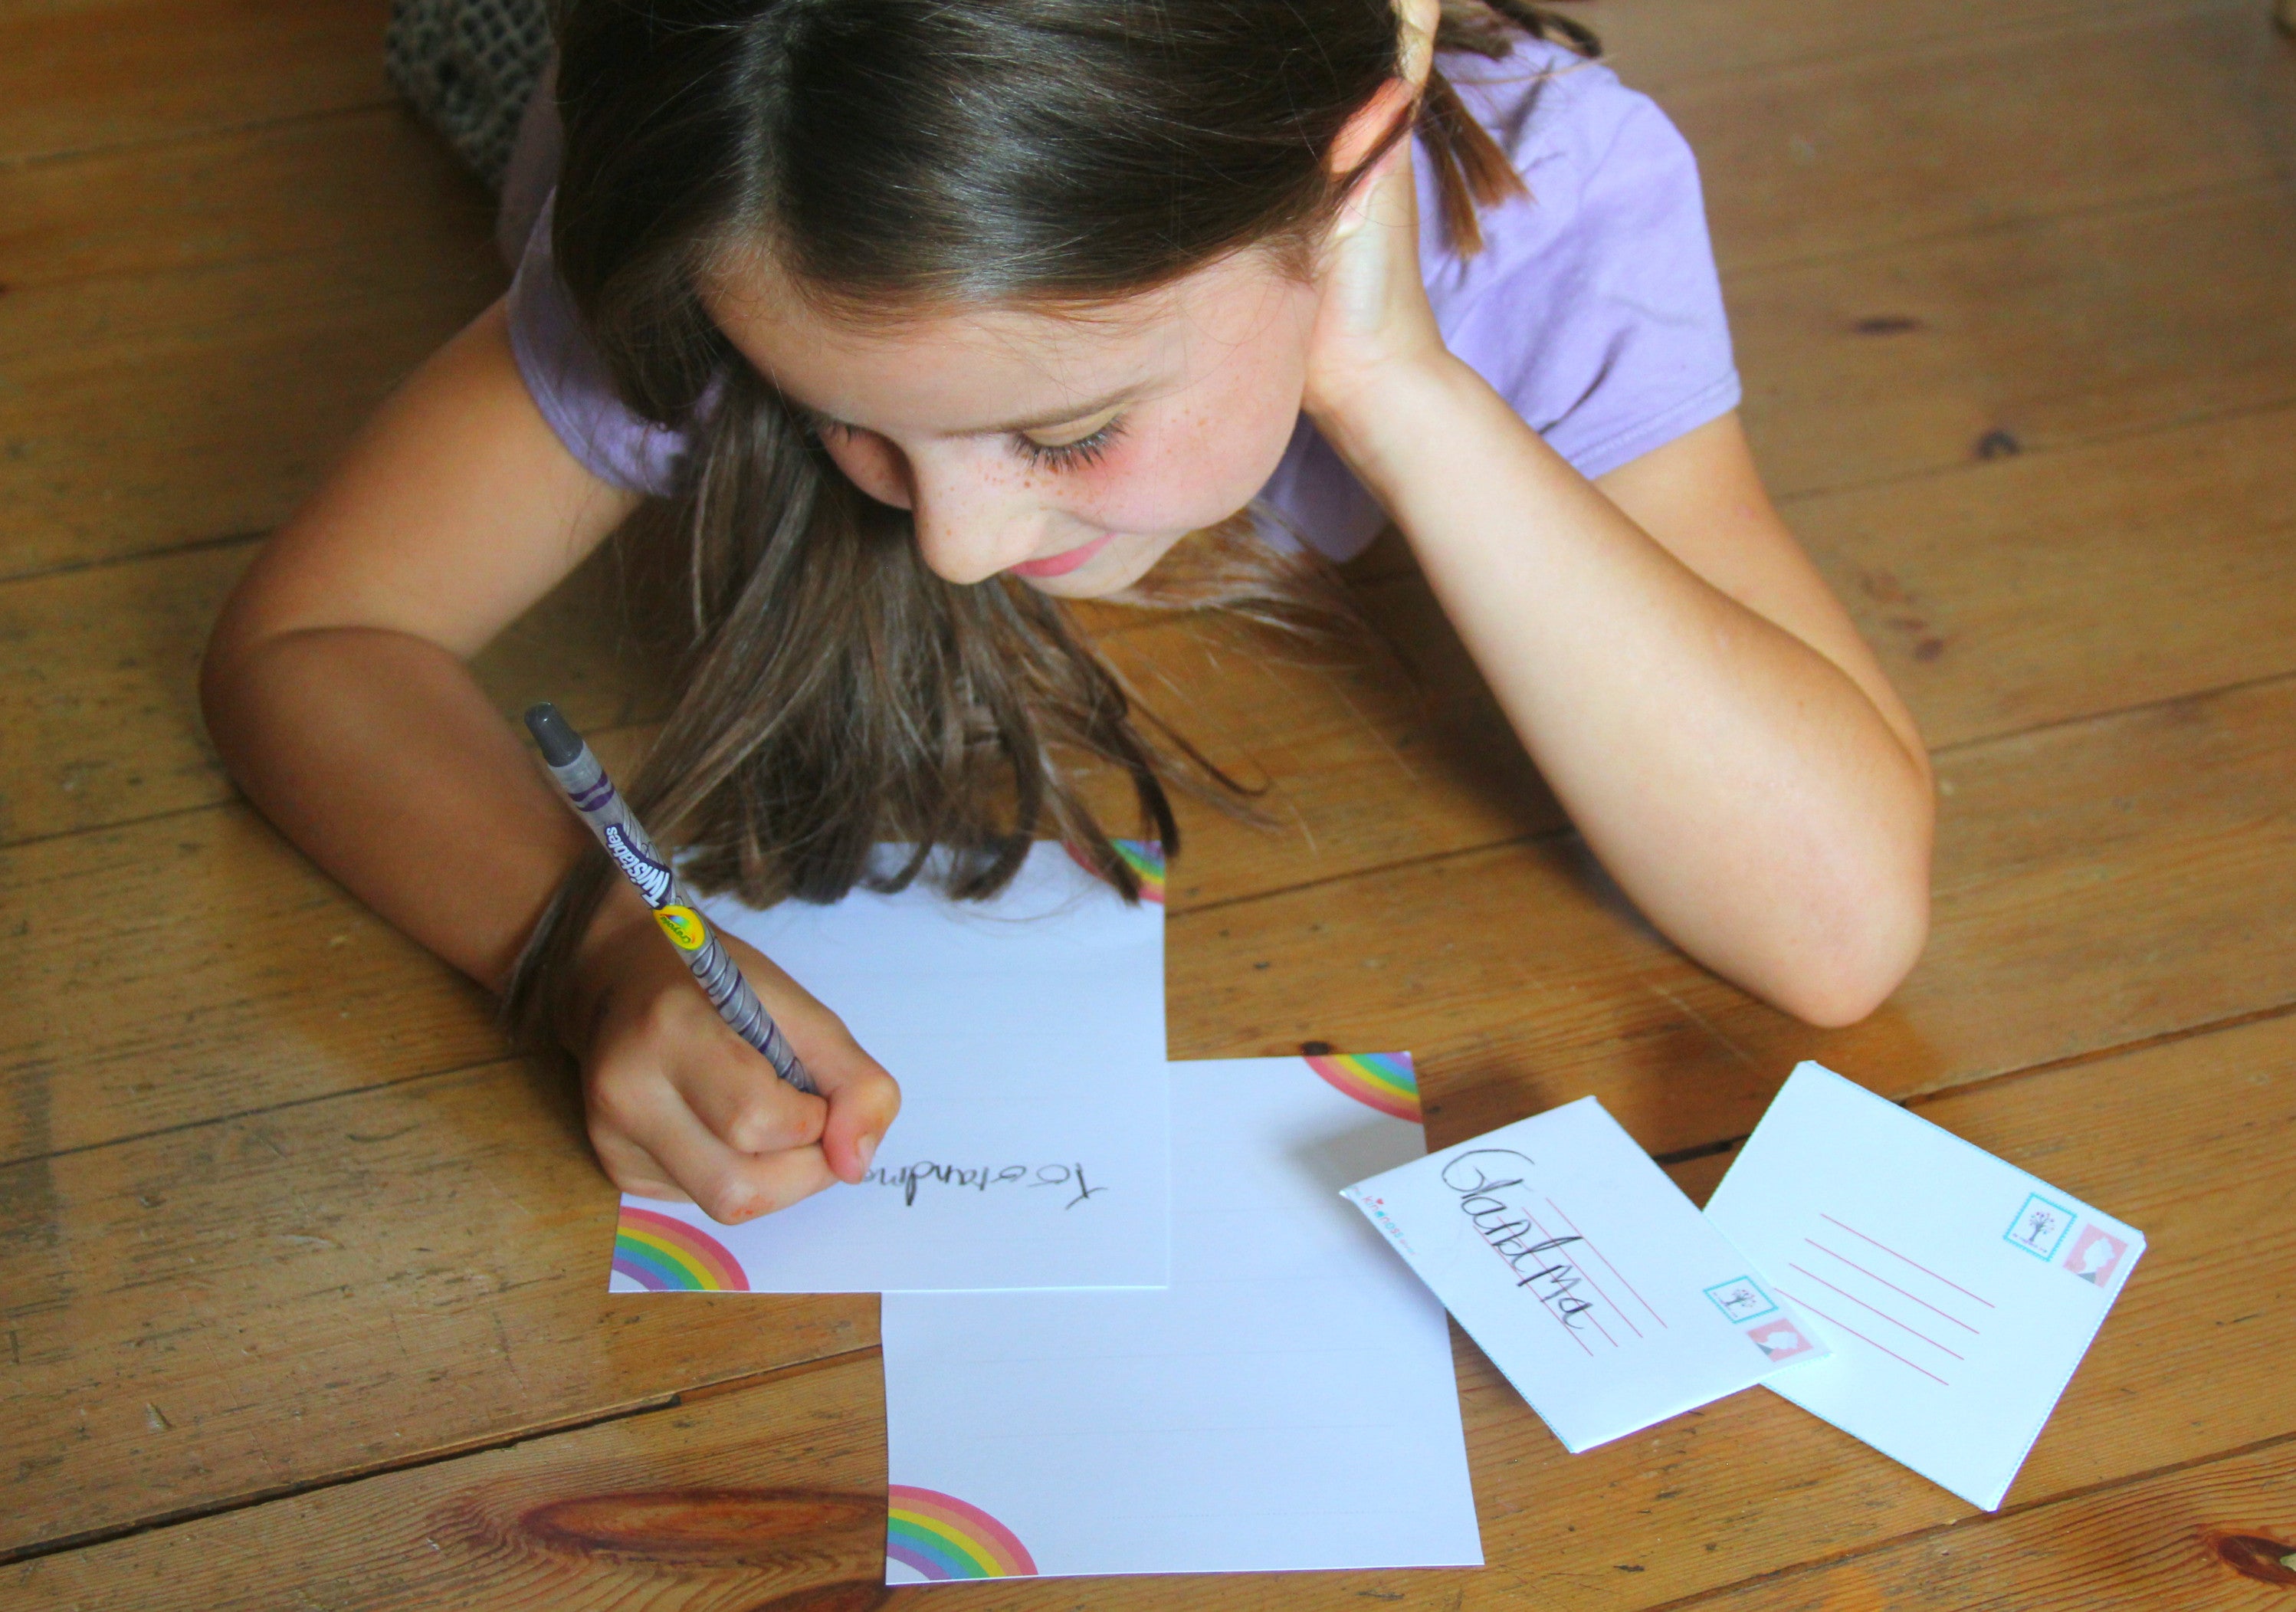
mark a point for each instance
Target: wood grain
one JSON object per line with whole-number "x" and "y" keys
{"x": 2054, "y": 333}
{"x": 370, "y": 182}
{"x": 142, "y": 415}
{"x": 271, "y": 1302}
{"x": 99, "y": 669}
{"x": 2187, "y": 1139}
{"x": 2048, "y": 588}
{"x": 81, "y": 75}
{"x": 771, "y": 1500}
{"x": 2097, "y": 884}
{"x": 1664, "y": 45}
{"x": 1990, "y": 133}
{"x": 2207, "y": 1538}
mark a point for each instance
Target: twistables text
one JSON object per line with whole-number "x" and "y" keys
{"x": 980, "y": 1178}
{"x": 1479, "y": 1177}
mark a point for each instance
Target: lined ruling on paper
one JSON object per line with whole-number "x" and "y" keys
{"x": 1585, "y": 1275}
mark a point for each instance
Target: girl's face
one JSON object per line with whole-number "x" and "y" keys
{"x": 1070, "y": 451}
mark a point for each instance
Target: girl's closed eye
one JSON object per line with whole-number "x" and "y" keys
{"x": 1076, "y": 453}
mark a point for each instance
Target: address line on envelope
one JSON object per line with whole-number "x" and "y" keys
{"x": 1879, "y": 1307}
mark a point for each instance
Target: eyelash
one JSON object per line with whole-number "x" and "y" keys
{"x": 1082, "y": 454}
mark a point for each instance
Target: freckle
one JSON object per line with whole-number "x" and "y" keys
{"x": 1929, "y": 649}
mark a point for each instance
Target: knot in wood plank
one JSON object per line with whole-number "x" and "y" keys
{"x": 2267, "y": 1560}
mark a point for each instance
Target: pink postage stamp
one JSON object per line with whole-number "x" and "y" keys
{"x": 1781, "y": 1339}
{"x": 2096, "y": 1254}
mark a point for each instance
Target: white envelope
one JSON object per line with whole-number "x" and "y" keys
{"x": 1958, "y": 1292}
{"x": 1584, "y": 1272}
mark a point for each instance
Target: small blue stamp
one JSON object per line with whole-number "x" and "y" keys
{"x": 2039, "y": 1227}
{"x": 1741, "y": 1299}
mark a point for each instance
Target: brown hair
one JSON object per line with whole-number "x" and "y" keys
{"x": 908, "y": 153}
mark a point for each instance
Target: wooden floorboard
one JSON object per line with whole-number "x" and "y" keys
{"x": 2209, "y": 1537}
{"x": 1991, "y": 132}
{"x": 2097, "y": 884}
{"x": 2190, "y": 1140}
{"x": 289, "y": 1248}
{"x": 99, "y": 712}
{"x": 2050, "y": 334}
{"x": 373, "y": 181}
{"x": 332, "y": 1287}
{"x": 242, "y": 388}
{"x": 78, "y": 76}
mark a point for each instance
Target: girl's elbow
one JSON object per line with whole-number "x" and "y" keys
{"x": 1863, "y": 960}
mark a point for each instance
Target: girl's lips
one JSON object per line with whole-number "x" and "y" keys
{"x": 1063, "y": 562}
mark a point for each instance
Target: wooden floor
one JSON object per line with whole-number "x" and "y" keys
{"x": 301, "y": 1280}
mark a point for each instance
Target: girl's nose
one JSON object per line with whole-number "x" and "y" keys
{"x": 970, "y": 527}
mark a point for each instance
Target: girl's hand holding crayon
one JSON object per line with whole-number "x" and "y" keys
{"x": 680, "y": 1108}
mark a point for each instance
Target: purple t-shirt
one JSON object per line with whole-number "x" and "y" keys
{"x": 1594, "y": 307}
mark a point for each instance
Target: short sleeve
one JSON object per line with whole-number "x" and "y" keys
{"x": 570, "y": 386}
{"x": 1593, "y": 308}
{"x": 1596, "y": 308}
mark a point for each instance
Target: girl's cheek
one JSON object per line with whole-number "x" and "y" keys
{"x": 1177, "y": 478}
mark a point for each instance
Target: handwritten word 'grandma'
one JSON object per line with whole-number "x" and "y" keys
{"x": 983, "y": 1178}
{"x": 1478, "y": 1176}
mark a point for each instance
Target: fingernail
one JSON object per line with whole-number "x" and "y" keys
{"x": 867, "y": 1149}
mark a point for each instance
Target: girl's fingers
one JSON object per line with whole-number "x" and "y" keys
{"x": 863, "y": 1100}
{"x": 727, "y": 1185}
{"x": 734, "y": 1091}
{"x": 635, "y": 1171}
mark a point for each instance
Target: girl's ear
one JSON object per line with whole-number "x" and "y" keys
{"x": 1371, "y": 126}
{"x": 1394, "y": 101}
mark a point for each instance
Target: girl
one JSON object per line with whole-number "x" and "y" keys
{"x": 907, "y": 319}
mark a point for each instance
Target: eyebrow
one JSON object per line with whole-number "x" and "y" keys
{"x": 814, "y": 418}
{"x": 1066, "y": 417}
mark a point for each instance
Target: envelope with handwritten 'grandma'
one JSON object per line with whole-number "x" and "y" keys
{"x": 1585, "y": 1275}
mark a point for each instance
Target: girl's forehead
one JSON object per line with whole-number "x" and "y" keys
{"x": 955, "y": 370}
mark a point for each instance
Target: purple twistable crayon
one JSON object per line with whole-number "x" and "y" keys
{"x": 595, "y": 801}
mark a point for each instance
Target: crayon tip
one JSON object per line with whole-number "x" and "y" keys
{"x": 559, "y": 742}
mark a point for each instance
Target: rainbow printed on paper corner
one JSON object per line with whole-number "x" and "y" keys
{"x": 1384, "y": 1080}
{"x": 667, "y": 1256}
{"x": 944, "y": 1537}
{"x": 1145, "y": 857}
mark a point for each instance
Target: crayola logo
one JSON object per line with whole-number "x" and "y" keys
{"x": 683, "y": 926}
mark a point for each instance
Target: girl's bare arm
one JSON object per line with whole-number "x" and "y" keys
{"x": 334, "y": 683}
{"x": 1697, "y": 697}
{"x": 1694, "y": 692}
{"x": 336, "y": 688}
